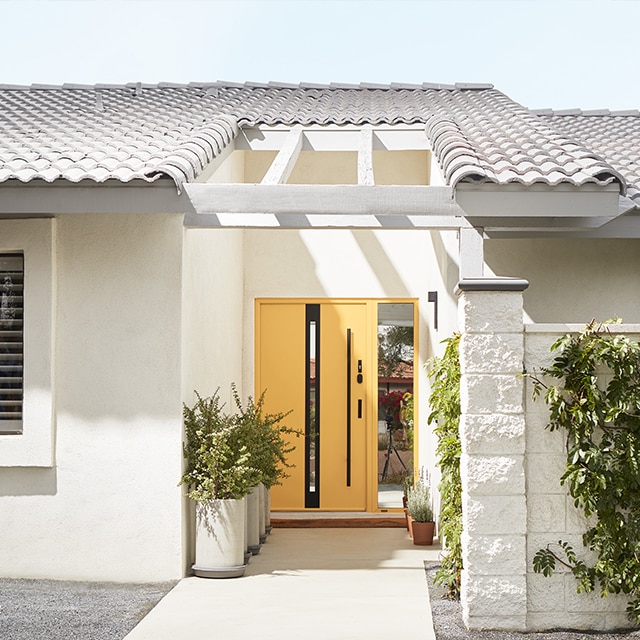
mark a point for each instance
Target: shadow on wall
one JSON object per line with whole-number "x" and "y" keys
{"x": 23, "y": 481}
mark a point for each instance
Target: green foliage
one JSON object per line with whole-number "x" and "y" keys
{"x": 419, "y": 503}
{"x": 445, "y": 412}
{"x": 218, "y": 460}
{"x": 229, "y": 454}
{"x": 597, "y": 404}
{"x": 266, "y": 438}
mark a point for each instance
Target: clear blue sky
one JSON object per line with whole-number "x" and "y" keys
{"x": 560, "y": 54}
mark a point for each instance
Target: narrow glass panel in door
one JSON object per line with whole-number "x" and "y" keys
{"x": 395, "y": 400}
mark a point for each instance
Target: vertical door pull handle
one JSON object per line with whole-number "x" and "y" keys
{"x": 349, "y": 337}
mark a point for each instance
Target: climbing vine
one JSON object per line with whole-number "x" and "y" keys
{"x": 596, "y": 402}
{"x": 445, "y": 412}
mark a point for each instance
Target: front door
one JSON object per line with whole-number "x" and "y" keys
{"x": 316, "y": 358}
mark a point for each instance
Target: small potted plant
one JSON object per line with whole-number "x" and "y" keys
{"x": 421, "y": 514}
{"x": 219, "y": 473}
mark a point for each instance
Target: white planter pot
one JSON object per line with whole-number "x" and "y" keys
{"x": 220, "y": 539}
{"x": 263, "y": 524}
{"x": 253, "y": 521}
{"x": 267, "y": 510}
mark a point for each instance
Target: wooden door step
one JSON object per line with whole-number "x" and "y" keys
{"x": 337, "y": 520}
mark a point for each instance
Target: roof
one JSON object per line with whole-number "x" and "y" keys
{"x": 136, "y": 131}
{"x": 613, "y": 135}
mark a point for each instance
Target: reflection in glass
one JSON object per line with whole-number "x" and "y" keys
{"x": 312, "y": 419}
{"x": 395, "y": 400}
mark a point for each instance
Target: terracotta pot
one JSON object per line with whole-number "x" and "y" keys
{"x": 404, "y": 501}
{"x": 423, "y": 532}
{"x": 406, "y": 518}
{"x": 410, "y": 521}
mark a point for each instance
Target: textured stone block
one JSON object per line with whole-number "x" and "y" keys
{"x": 591, "y": 602}
{"x": 492, "y": 475}
{"x": 480, "y": 393}
{"x": 494, "y": 555}
{"x": 544, "y": 472}
{"x": 490, "y": 312}
{"x": 577, "y": 522}
{"x": 491, "y": 353}
{"x": 537, "y": 541}
{"x": 495, "y": 623}
{"x": 538, "y": 621}
{"x": 546, "y": 513}
{"x": 487, "y": 596}
{"x": 539, "y": 438}
{"x": 494, "y": 515}
{"x": 537, "y": 350}
{"x": 618, "y": 620}
{"x": 495, "y": 433}
{"x": 545, "y": 593}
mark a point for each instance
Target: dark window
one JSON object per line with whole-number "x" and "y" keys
{"x": 11, "y": 341}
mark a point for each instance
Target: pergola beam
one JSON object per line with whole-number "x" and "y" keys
{"x": 365, "y": 156}
{"x": 285, "y": 161}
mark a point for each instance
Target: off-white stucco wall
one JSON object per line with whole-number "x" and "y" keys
{"x": 109, "y": 508}
{"x": 212, "y": 329}
{"x": 572, "y": 280}
{"x": 358, "y": 264}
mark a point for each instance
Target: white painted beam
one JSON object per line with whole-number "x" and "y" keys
{"x": 383, "y": 200}
{"x": 282, "y": 166}
{"x": 471, "y": 253}
{"x": 365, "y": 156}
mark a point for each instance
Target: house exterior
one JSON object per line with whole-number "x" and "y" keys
{"x": 163, "y": 239}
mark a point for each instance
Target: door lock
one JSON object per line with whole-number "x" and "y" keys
{"x": 359, "y": 376}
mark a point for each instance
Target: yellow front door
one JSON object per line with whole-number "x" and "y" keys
{"x": 317, "y": 358}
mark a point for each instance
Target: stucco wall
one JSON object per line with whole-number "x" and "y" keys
{"x": 109, "y": 507}
{"x": 212, "y": 329}
{"x": 572, "y": 280}
{"x": 358, "y": 264}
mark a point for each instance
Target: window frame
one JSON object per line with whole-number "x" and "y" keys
{"x": 32, "y": 446}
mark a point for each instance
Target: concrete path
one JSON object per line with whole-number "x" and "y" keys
{"x": 307, "y": 584}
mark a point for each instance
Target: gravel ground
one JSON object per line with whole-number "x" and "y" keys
{"x": 60, "y": 610}
{"x": 447, "y": 621}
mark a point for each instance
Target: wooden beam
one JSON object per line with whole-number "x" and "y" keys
{"x": 282, "y": 166}
{"x": 365, "y": 156}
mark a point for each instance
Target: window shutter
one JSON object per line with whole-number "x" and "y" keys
{"x": 11, "y": 341}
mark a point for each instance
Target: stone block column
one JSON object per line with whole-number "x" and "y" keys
{"x": 492, "y": 431}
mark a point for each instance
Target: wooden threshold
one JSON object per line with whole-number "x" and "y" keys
{"x": 337, "y": 520}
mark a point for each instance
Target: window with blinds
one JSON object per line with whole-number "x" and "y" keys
{"x": 11, "y": 341}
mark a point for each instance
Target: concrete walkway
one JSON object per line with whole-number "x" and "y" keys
{"x": 307, "y": 584}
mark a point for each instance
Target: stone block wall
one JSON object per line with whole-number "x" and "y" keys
{"x": 551, "y": 515}
{"x": 492, "y": 433}
{"x": 513, "y": 502}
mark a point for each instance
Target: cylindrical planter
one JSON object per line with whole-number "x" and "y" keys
{"x": 253, "y": 521}
{"x": 423, "y": 532}
{"x": 410, "y": 525}
{"x": 262, "y": 524}
{"x": 267, "y": 510}
{"x": 219, "y": 539}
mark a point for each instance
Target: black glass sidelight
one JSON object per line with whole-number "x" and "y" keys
{"x": 312, "y": 398}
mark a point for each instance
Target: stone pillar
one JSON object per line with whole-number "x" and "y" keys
{"x": 492, "y": 431}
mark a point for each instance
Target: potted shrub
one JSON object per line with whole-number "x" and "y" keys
{"x": 219, "y": 473}
{"x": 421, "y": 514}
{"x": 267, "y": 439}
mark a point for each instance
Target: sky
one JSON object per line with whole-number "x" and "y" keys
{"x": 557, "y": 54}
